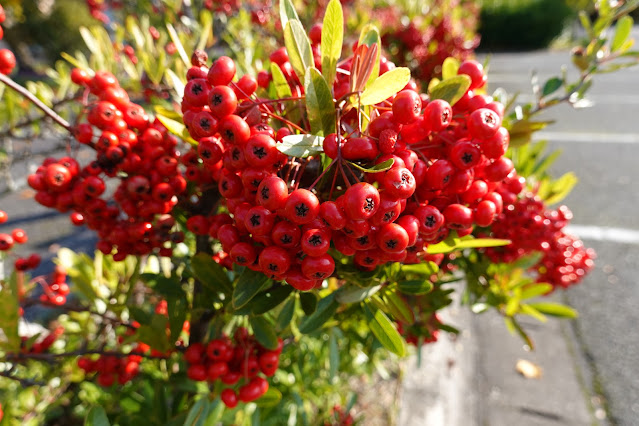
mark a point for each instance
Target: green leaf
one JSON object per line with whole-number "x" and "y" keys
{"x": 286, "y": 314}
{"x": 451, "y": 90}
{"x": 370, "y": 36}
{"x": 199, "y": 413}
{"x": 175, "y": 127}
{"x": 555, "y": 309}
{"x": 309, "y": 302}
{"x": 287, "y": 12}
{"x": 332, "y": 40}
{"x": 481, "y": 242}
{"x": 9, "y": 317}
{"x": 529, "y": 310}
{"x": 622, "y": 32}
{"x": 333, "y": 355}
{"x": 355, "y": 294}
{"x": 210, "y": 273}
{"x": 514, "y": 327}
{"x": 450, "y": 67}
{"x": 300, "y": 146}
{"x": 154, "y": 334}
{"x": 385, "y": 86}
{"x": 415, "y": 286}
{"x": 326, "y": 308}
{"x": 551, "y": 86}
{"x": 560, "y": 188}
{"x": 534, "y": 290}
{"x": 96, "y": 417}
{"x": 270, "y": 299}
{"x": 175, "y": 82}
{"x": 377, "y": 168}
{"x": 206, "y": 19}
{"x": 425, "y": 269}
{"x": 178, "y": 44}
{"x": 264, "y": 332}
{"x": 177, "y": 309}
{"x": 248, "y": 286}
{"x": 387, "y": 334}
{"x": 271, "y": 398}
{"x": 319, "y": 103}
{"x": 282, "y": 88}
{"x": 399, "y": 308}
{"x": 298, "y": 47}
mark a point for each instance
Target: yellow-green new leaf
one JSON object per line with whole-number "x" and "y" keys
{"x": 385, "y": 86}
{"x": 282, "y": 88}
{"x": 298, "y": 47}
{"x": 387, "y": 334}
{"x": 319, "y": 103}
{"x": 450, "y": 67}
{"x": 624, "y": 26}
{"x": 332, "y": 39}
{"x": 451, "y": 90}
{"x": 287, "y": 12}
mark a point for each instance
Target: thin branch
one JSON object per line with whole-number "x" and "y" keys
{"x": 37, "y": 102}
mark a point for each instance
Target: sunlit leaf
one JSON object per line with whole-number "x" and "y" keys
{"x": 385, "y": 86}
{"x": 332, "y": 39}
{"x": 319, "y": 103}
{"x": 451, "y": 90}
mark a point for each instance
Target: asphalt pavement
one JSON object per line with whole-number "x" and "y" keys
{"x": 590, "y": 366}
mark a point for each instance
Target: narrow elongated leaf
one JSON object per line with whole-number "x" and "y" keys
{"x": 399, "y": 308}
{"x": 377, "y": 168}
{"x": 173, "y": 126}
{"x": 387, "y": 334}
{"x": 354, "y": 294}
{"x": 210, "y": 273}
{"x": 555, "y": 309}
{"x": 332, "y": 39}
{"x": 248, "y": 286}
{"x": 319, "y": 103}
{"x": 271, "y": 398}
{"x": 624, "y": 26}
{"x": 333, "y": 355}
{"x": 452, "y": 89}
{"x": 286, "y": 314}
{"x": 385, "y": 86}
{"x": 425, "y": 269}
{"x": 308, "y": 301}
{"x": 415, "y": 286}
{"x": 537, "y": 289}
{"x": 300, "y": 146}
{"x": 298, "y": 47}
{"x": 178, "y": 44}
{"x": 287, "y": 12}
{"x": 529, "y": 310}
{"x": 264, "y": 332}
{"x": 551, "y": 86}
{"x": 370, "y": 36}
{"x": 270, "y": 299}
{"x": 10, "y": 317}
{"x": 206, "y": 18}
{"x": 198, "y": 413}
{"x": 177, "y": 309}
{"x": 561, "y": 188}
{"x": 325, "y": 310}
{"x": 447, "y": 245}
{"x": 96, "y": 417}
{"x": 450, "y": 67}
{"x": 282, "y": 88}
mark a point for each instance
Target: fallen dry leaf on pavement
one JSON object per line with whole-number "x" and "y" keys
{"x": 528, "y": 369}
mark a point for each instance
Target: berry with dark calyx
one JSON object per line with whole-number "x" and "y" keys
{"x": 361, "y": 201}
{"x": 407, "y": 106}
{"x": 302, "y": 206}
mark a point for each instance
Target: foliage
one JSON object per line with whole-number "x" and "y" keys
{"x": 168, "y": 293}
{"x": 522, "y": 24}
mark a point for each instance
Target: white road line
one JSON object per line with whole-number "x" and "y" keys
{"x": 604, "y": 233}
{"x": 596, "y": 99}
{"x": 625, "y": 138}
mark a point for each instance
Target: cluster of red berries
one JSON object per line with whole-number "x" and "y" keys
{"x": 98, "y": 8}
{"x": 131, "y": 148}
{"x": 231, "y": 362}
{"x": 56, "y": 290}
{"x": 17, "y": 236}
{"x": 340, "y": 417}
{"x": 424, "y": 330}
{"x": 425, "y": 43}
{"x": 42, "y": 345}
{"x": 447, "y": 162}
{"x": 532, "y": 227}
{"x": 7, "y": 58}
{"x": 111, "y": 368}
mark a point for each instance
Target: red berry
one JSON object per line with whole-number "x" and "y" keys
{"x": 361, "y": 201}
{"x": 229, "y": 398}
{"x": 407, "y": 106}
{"x": 222, "y": 71}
